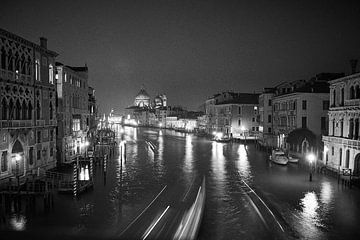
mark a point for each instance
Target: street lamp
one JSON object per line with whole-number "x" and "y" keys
{"x": 311, "y": 158}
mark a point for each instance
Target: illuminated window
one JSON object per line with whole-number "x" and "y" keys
{"x": 76, "y": 124}
{"x": 51, "y": 74}
{"x": 65, "y": 77}
{"x": 37, "y": 70}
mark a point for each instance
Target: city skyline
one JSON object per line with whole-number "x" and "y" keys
{"x": 190, "y": 48}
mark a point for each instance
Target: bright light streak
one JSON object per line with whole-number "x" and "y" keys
{"x": 153, "y": 225}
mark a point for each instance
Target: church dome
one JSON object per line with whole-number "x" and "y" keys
{"x": 142, "y": 99}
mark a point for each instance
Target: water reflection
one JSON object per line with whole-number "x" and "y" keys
{"x": 218, "y": 160}
{"x": 326, "y": 193}
{"x": 18, "y": 222}
{"x": 188, "y": 153}
{"x": 161, "y": 145}
{"x": 243, "y": 164}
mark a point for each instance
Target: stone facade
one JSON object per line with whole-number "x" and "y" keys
{"x": 28, "y": 106}
{"x": 73, "y": 111}
{"x": 342, "y": 144}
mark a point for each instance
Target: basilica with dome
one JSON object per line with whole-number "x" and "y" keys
{"x": 143, "y": 100}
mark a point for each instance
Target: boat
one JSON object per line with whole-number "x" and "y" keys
{"x": 293, "y": 159}
{"x": 279, "y": 157}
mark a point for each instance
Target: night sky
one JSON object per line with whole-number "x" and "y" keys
{"x": 190, "y": 50}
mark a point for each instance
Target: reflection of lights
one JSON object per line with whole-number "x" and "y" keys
{"x": 18, "y": 222}
{"x": 242, "y": 128}
{"x": 311, "y": 157}
{"x": 243, "y": 162}
{"x": 218, "y": 135}
{"x": 310, "y": 205}
{"x": 326, "y": 192}
{"x": 214, "y": 133}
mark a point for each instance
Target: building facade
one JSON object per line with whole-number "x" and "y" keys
{"x": 233, "y": 115}
{"x": 73, "y": 112}
{"x": 300, "y": 113}
{"x": 28, "y": 106}
{"x": 266, "y": 126}
{"x": 342, "y": 144}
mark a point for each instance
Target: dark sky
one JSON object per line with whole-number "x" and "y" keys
{"x": 190, "y": 50}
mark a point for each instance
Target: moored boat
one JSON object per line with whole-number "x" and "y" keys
{"x": 279, "y": 157}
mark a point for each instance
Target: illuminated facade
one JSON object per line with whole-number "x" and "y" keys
{"x": 28, "y": 110}
{"x": 142, "y": 99}
{"x": 266, "y": 126}
{"x": 233, "y": 114}
{"x": 73, "y": 111}
{"x": 342, "y": 144}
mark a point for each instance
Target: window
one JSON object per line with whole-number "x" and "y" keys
{"x": 323, "y": 123}
{"x": 4, "y": 161}
{"x": 38, "y": 137}
{"x": 51, "y": 152}
{"x": 304, "y": 104}
{"x": 269, "y": 118}
{"x": 303, "y": 122}
{"x": 269, "y": 130}
{"x": 269, "y": 102}
{"x": 38, "y": 110}
{"x": 51, "y": 74}
{"x": 65, "y": 77}
{"x": 239, "y": 122}
{"x": 51, "y": 135}
{"x": 326, "y": 104}
{"x": 76, "y": 124}
{"x": 51, "y": 110}
{"x": 253, "y": 119}
{"x": 239, "y": 110}
{"x": 332, "y": 151}
{"x": 37, "y": 70}
{"x": 342, "y": 97}
{"x": 257, "y": 128}
{"x": 31, "y": 155}
{"x": 38, "y": 155}
{"x": 334, "y": 98}
{"x": 352, "y": 92}
{"x": 340, "y": 157}
{"x": 253, "y": 128}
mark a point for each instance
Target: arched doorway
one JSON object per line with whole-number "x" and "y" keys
{"x": 357, "y": 164}
{"x": 17, "y": 158}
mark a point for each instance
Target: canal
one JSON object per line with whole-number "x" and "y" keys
{"x": 247, "y": 197}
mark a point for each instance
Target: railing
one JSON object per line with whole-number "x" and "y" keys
{"x": 12, "y": 76}
{"x": 352, "y": 102}
{"x": 16, "y": 123}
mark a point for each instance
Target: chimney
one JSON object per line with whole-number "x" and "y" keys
{"x": 353, "y": 64}
{"x": 43, "y": 42}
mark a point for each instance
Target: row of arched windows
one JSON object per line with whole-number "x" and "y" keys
{"x": 15, "y": 62}
{"x": 18, "y": 110}
{"x": 354, "y": 92}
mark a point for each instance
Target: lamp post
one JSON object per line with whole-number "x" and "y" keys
{"x": 311, "y": 158}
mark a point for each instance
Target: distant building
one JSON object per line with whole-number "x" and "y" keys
{"x": 142, "y": 99}
{"x": 342, "y": 144}
{"x": 300, "y": 113}
{"x": 266, "y": 125}
{"x": 92, "y": 120}
{"x": 233, "y": 114}
{"x": 73, "y": 111}
{"x": 28, "y": 106}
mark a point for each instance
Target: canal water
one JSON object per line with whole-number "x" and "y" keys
{"x": 247, "y": 197}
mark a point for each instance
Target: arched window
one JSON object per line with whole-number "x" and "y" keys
{"x": 352, "y": 92}
{"x": 333, "y": 127}
{"x": 11, "y": 110}
{"x": 51, "y": 111}
{"x": 29, "y": 66}
{"x": 51, "y": 74}
{"x": 29, "y": 114}
{"x": 351, "y": 128}
{"x": 357, "y": 92}
{"x": 17, "y": 65}
{"x": 24, "y": 111}
{"x": 3, "y": 58}
{"x": 340, "y": 157}
{"x": 38, "y": 110}
{"x": 10, "y": 61}
{"x": 342, "y": 97}
{"x": 37, "y": 70}
{"x": 334, "y": 97}
{"x": 347, "y": 159}
{"x": 18, "y": 110}
{"x": 23, "y": 64}
{"x": 4, "y": 109}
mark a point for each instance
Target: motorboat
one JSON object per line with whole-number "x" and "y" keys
{"x": 293, "y": 159}
{"x": 279, "y": 157}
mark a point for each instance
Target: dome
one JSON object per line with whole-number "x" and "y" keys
{"x": 142, "y": 99}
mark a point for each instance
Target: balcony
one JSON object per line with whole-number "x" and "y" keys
{"x": 16, "y": 123}
{"x": 12, "y": 76}
{"x": 342, "y": 141}
{"x": 352, "y": 102}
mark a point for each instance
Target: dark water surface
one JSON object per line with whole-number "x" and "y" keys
{"x": 247, "y": 197}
